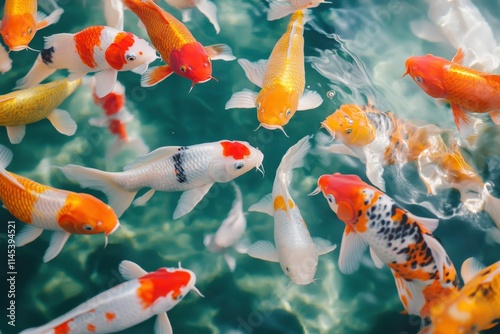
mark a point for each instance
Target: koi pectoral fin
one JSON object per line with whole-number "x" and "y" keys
{"x": 189, "y": 199}
{"x": 16, "y": 133}
{"x": 463, "y": 122}
{"x": 309, "y": 100}
{"x": 162, "y": 324}
{"x": 57, "y": 242}
{"x": 263, "y": 250}
{"x": 27, "y": 235}
{"x": 244, "y": 99}
{"x": 62, "y": 121}
{"x": 495, "y": 116}
{"x": 104, "y": 82}
{"x": 155, "y": 75}
{"x": 351, "y": 251}
{"x": 220, "y": 52}
{"x": 323, "y": 246}
{"x": 45, "y": 21}
{"x": 131, "y": 270}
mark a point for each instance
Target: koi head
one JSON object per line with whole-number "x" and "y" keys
{"x": 344, "y": 194}
{"x": 233, "y": 159}
{"x": 130, "y": 53}
{"x": 300, "y": 265}
{"x": 350, "y": 126}
{"x": 191, "y": 62}
{"x": 18, "y": 31}
{"x": 275, "y": 107}
{"x": 427, "y": 72}
{"x": 85, "y": 214}
{"x": 165, "y": 288}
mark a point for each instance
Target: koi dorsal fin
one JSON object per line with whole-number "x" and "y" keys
{"x": 459, "y": 57}
{"x": 130, "y": 270}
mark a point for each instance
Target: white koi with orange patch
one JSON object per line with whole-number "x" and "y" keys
{"x": 99, "y": 49}
{"x": 191, "y": 169}
{"x": 295, "y": 250}
{"x": 142, "y": 297}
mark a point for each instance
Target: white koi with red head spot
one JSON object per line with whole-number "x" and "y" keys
{"x": 99, "y": 49}
{"x": 397, "y": 238}
{"x": 294, "y": 248}
{"x": 45, "y": 208}
{"x": 191, "y": 169}
{"x": 143, "y": 296}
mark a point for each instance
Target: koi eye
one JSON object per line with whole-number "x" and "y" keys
{"x": 348, "y": 131}
{"x": 130, "y": 57}
{"x": 183, "y": 68}
{"x": 331, "y": 199}
{"x": 179, "y": 297}
{"x": 419, "y": 79}
{"x": 238, "y": 165}
{"x": 287, "y": 268}
{"x": 288, "y": 112}
{"x": 87, "y": 227}
{"x": 258, "y": 105}
{"x": 30, "y": 30}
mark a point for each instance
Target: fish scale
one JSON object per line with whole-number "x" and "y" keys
{"x": 19, "y": 7}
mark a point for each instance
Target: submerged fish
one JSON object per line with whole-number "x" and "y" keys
{"x": 475, "y": 308}
{"x": 99, "y": 49}
{"x": 45, "y": 208}
{"x": 21, "y": 22}
{"x": 466, "y": 89}
{"x": 380, "y": 139}
{"x": 178, "y": 48}
{"x": 34, "y": 104}
{"x": 404, "y": 242}
{"x": 191, "y": 169}
{"x": 206, "y": 7}
{"x": 229, "y": 233}
{"x": 143, "y": 296}
{"x": 294, "y": 249}
{"x": 282, "y": 79}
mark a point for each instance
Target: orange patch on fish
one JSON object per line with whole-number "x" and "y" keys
{"x": 85, "y": 42}
{"x": 279, "y": 203}
{"x": 110, "y": 316}
{"x": 115, "y": 53}
{"x": 234, "y": 149}
{"x": 63, "y": 328}
{"x": 91, "y": 328}
{"x": 160, "y": 284}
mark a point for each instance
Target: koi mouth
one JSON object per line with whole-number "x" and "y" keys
{"x": 330, "y": 131}
{"x": 272, "y": 127}
{"x": 111, "y": 232}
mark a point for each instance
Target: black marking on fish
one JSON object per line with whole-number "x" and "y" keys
{"x": 46, "y": 55}
{"x": 178, "y": 165}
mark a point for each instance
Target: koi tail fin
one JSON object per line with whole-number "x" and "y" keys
{"x": 293, "y": 158}
{"x": 410, "y": 294}
{"x": 119, "y": 199}
{"x": 279, "y": 9}
{"x": 39, "y": 72}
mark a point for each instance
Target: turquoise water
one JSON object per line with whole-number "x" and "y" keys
{"x": 355, "y": 50}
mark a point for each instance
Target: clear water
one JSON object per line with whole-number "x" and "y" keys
{"x": 355, "y": 49}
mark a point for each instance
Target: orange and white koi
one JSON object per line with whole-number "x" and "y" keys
{"x": 380, "y": 139}
{"x": 466, "y": 89}
{"x": 99, "y": 49}
{"x": 191, "y": 169}
{"x": 178, "y": 48}
{"x": 45, "y": 208}
{"x": 229, "y": 233}
{"x": 206, "y": 7}
{"x": 404, "y": 242}
{"x": 34, "y": 104}
{"x": 143, "y": 296}
{"x": 282, "y": 8}
{"x": 21, "y": 22}
{"x": 294, "y": 249}
{"x": 5, "y": 61}
{"x": 282, "y": 79}
{"x": 475, "y": 308}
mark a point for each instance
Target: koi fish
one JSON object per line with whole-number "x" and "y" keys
{"x": 45, "y": 208}
{"x": 475, "y": 308}
{"x": 99, "y": 49}
{"x": 461, "y": 24}
{"x": 404, "y": 242}
{"x": 178, "y": 48}
{"x": 282, "y": 79}
{"x": 191, "y": 169}
{"x": 5, "y": 61}
{"x": 230, "y": 232}
{"x": 113, "y": 12}
{"x": 280, "y": 8}
{"x": 21, "y": 22}
{"x": 34, "y": 104}
{"x": 206, "y": 7}
{"x": 141, "y": 297}
{"x": 116, "y": 116}
{"x": 466, "y": 89}
{"x": 295, "y": 250}
{"x": 380, "y": 139}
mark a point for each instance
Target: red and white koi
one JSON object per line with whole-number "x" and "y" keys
{"x": 21, "y": 22}
{"x": 282, "y": 79}
{"x": 230, "y": 232}
{"x": 143, "y": 296}
{"x": 282, "y": 8}
{"x": 294, "y": 249}
{"x": 404, "y": 242}
{"x": 99, "y": 49}
{"x": 191, "y": 169}
{"x": 206, "y": 7}
{"x": 45, "y": 208}
{"x": 183, "y": 54}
